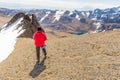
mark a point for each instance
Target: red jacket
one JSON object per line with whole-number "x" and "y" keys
{"x": 39, "y": 38}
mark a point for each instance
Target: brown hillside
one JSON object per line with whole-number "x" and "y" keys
{"x": 85, "y": 57}
{"x": 4, "y": 19}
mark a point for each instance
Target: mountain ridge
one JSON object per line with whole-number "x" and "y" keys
{"x": 74, "y": 21}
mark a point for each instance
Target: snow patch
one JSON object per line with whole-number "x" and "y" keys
{"x": 71, "y": 12}
{"x": 94, "y": 19}
{"x": 98, "y": 25}
{"x": 8, "y": 36}
{"x": 77, "y": 17}
{"x": 45, "y": 16}
{"x": 58, "y": 15}
{"x": 83, "y": 13}
{"x": 87, "y": 13}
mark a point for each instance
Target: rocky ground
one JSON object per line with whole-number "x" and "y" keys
{"x": 86, "y": 57}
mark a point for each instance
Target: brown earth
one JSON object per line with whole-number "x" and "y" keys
{"x": 4, "y": 19}
{"x": 86, "y": 57}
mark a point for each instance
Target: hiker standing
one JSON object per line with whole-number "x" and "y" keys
{"x": 39, "y": 40}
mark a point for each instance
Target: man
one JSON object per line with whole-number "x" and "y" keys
{"x": 39, "y": 40}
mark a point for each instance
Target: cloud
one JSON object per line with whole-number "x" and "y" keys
{"x": 62, "y": 4}
{"x": 57, "y": 4}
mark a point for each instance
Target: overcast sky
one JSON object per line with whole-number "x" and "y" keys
{"x": 59, "y": 4}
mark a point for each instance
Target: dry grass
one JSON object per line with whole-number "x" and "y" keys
{"x": 86, "y": 57}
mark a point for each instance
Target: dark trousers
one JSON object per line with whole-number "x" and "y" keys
{"x": 38, "y": 52}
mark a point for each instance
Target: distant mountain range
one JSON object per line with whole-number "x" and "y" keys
{"x": 74, "y": 21}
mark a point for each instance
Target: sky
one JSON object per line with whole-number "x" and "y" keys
{"x": 59, "y": 4}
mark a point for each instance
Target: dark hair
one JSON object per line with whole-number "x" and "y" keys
{"x": 39, "y": 29}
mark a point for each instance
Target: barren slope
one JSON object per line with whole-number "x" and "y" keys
{"x": 4, "y": 19}
{"x": 85, "y": 57}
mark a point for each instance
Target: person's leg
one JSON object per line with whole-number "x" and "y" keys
{"x": 44, "y": 51}
{"x": 38, "y": 54}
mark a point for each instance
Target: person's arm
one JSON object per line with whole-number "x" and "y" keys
{"x": 45, "y": 38}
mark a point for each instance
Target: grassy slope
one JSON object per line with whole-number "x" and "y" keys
{"x": 86, "y": 57}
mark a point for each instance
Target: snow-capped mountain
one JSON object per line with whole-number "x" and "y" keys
{"x": 20, "y": 25}
{"x": 110, "y": 15}
{"x": 74, "y": 21}
{"x": 106, "y": 15}
{"x": 8, "y": 36}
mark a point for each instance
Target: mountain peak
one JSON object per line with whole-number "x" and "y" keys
{"x": 21, "y": 25}
{"x": 71, "y": 21}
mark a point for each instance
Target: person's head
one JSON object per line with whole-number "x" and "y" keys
{"x": 39, "y": 29}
